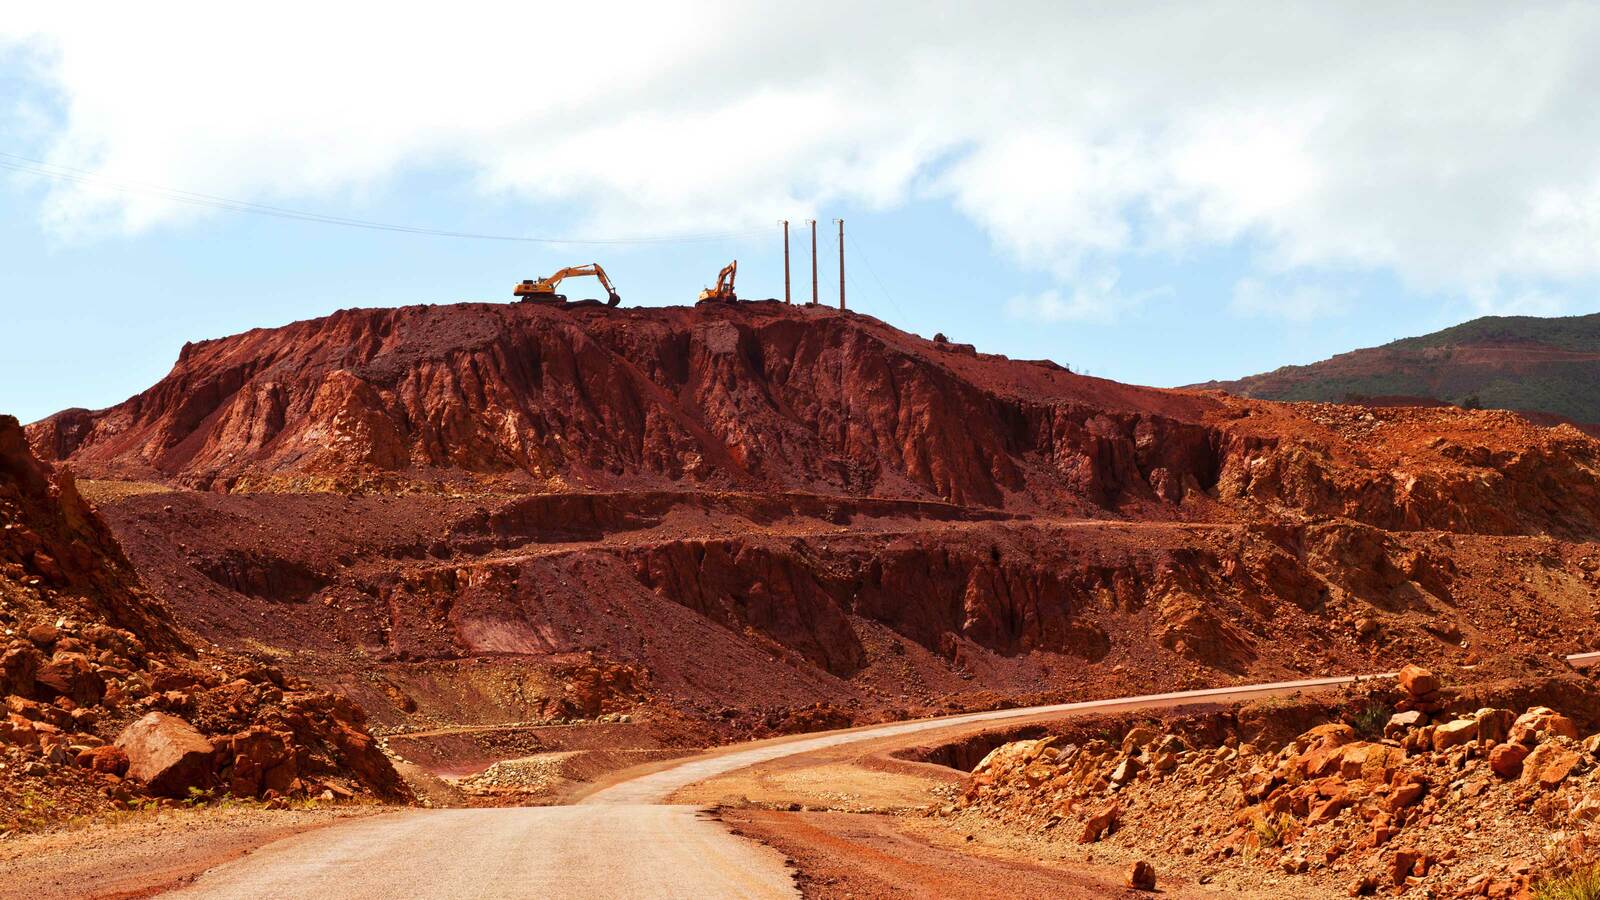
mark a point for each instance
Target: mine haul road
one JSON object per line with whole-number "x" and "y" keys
{"x": 622, "y": 841}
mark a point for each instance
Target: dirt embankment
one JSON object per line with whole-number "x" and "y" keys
{"x": 107, "y": 704}
{"x": 1480, "y": 791}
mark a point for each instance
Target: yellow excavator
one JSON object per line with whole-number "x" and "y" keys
{"x": 723, "y": 292}
{"x": 543, "y": 290}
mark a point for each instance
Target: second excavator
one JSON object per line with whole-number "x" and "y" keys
{"x": 723, "y": 292}
{"x": 543, "y": 290}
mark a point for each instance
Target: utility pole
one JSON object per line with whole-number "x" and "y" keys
{"x": 813, "y": 261}
{"x": 786, "y": 260}
{"x": 841, "y": 262}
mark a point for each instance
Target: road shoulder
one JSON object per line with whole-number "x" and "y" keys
{"x": 125, "y": 860}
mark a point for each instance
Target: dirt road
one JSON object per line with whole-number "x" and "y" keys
{"x": 617, "y": 842}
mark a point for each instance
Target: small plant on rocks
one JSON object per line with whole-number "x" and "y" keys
{"x": 1370, "y": 718}
{"x": 1270, "y": 830}
{"x": 1582, "y": 883}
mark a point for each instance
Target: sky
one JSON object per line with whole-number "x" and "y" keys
{"x": 1156, "y": 193}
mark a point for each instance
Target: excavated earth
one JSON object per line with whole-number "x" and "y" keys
{"x": 500, "y": 528}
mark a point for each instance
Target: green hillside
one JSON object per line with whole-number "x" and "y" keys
{"x": 1523, "y": 363}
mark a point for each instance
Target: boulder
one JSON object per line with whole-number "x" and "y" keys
{"x": 1142, "y": 876}
{"x": 167, "y": 754}
{"x": 1319, "y": 748}
{"x": 1401, "y": 722}
{"x": 1402, "y": 864}
{"x": 70, "y": 675}
{"x": 1494, "y": 725}
{"x": 1540, "y": 724}
{"x": 1417, "y": 681}
{"x": 1506, "y": 759}
{"x": 109, "y": 760}
{"x": 18, "y": 666}
{"x": 1125, "y": 771}
{"x": 1548, "y": 765}
{"x": 1454, "y": 734}
{"x": 1138, "y": 738}
{"x": 1101, "y": 822}
{"x": 22, "y": 732}
{"x": 262, "y": 760}
{"x": 1406, "y": 791}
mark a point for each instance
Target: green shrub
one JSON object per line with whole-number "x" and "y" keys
{"x": 1370, "y": 719}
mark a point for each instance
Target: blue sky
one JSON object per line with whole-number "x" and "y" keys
{"x": 1063, "y": 185}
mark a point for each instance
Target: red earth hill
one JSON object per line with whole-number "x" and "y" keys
{"x": 768, "y": 517}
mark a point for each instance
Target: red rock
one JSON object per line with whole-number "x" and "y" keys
{"x": 1327, "y": 810}
{"x": 1548, "y": 765}
{"x": 1417, "y": 681}
{"x": 1454, "y": 734}
{"x": 1102, "y": 821}
{"x": 1142, "y": 876}
{"x": 1506, "y": 759}
{"x": 1401, "y": 722}
{"x": 1402, "y": 864}
{"x": 167, "y": 754}
{"x": 19, "y": 665}
{"x": 1406, "y": 792}
{"x": 110, "y": 760}
{"x": 20, "y": 731}
{"x": 1541, "y": 724}
{"x": 71, "y": 675}
{"x": 260, "y": 760}
{"x": 1190, "y": 627}
{"x": 1494, "y": 725}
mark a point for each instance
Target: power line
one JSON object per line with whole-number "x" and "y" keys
{"x": 43, "y": 169}
{"x": 881, "y": 287}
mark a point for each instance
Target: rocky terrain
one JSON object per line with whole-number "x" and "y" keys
{"x": 109, "y": 705}
{"x": 495, "y": 526}
{"x": 1545, "y": 368}
{"x": 1407, "y": 788}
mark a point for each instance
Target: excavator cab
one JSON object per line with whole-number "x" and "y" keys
{"x": 723, "y": 292}
{"x": 543, "y": 290}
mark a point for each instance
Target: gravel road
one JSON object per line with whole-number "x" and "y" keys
{"x": 618, "y": 842}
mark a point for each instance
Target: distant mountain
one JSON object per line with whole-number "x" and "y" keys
{"x": 1523, "y": 363}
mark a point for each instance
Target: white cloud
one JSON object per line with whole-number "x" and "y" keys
{"x": 1295, "y": 301}
{"x": 1088, "y": 298}
{"x": 1453, "y": 149}
{"x": 1531, "y": 301}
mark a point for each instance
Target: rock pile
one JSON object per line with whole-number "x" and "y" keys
{"x": 104, "y": 701}
{"x": 1462, "y": 804}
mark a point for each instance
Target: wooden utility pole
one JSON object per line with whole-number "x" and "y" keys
{"x": 813, "y": 261}
{"x": 786, "y": 260}
{"x": 841, "y": 262}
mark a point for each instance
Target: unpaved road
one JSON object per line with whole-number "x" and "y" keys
{"x": 617, "y": 842}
